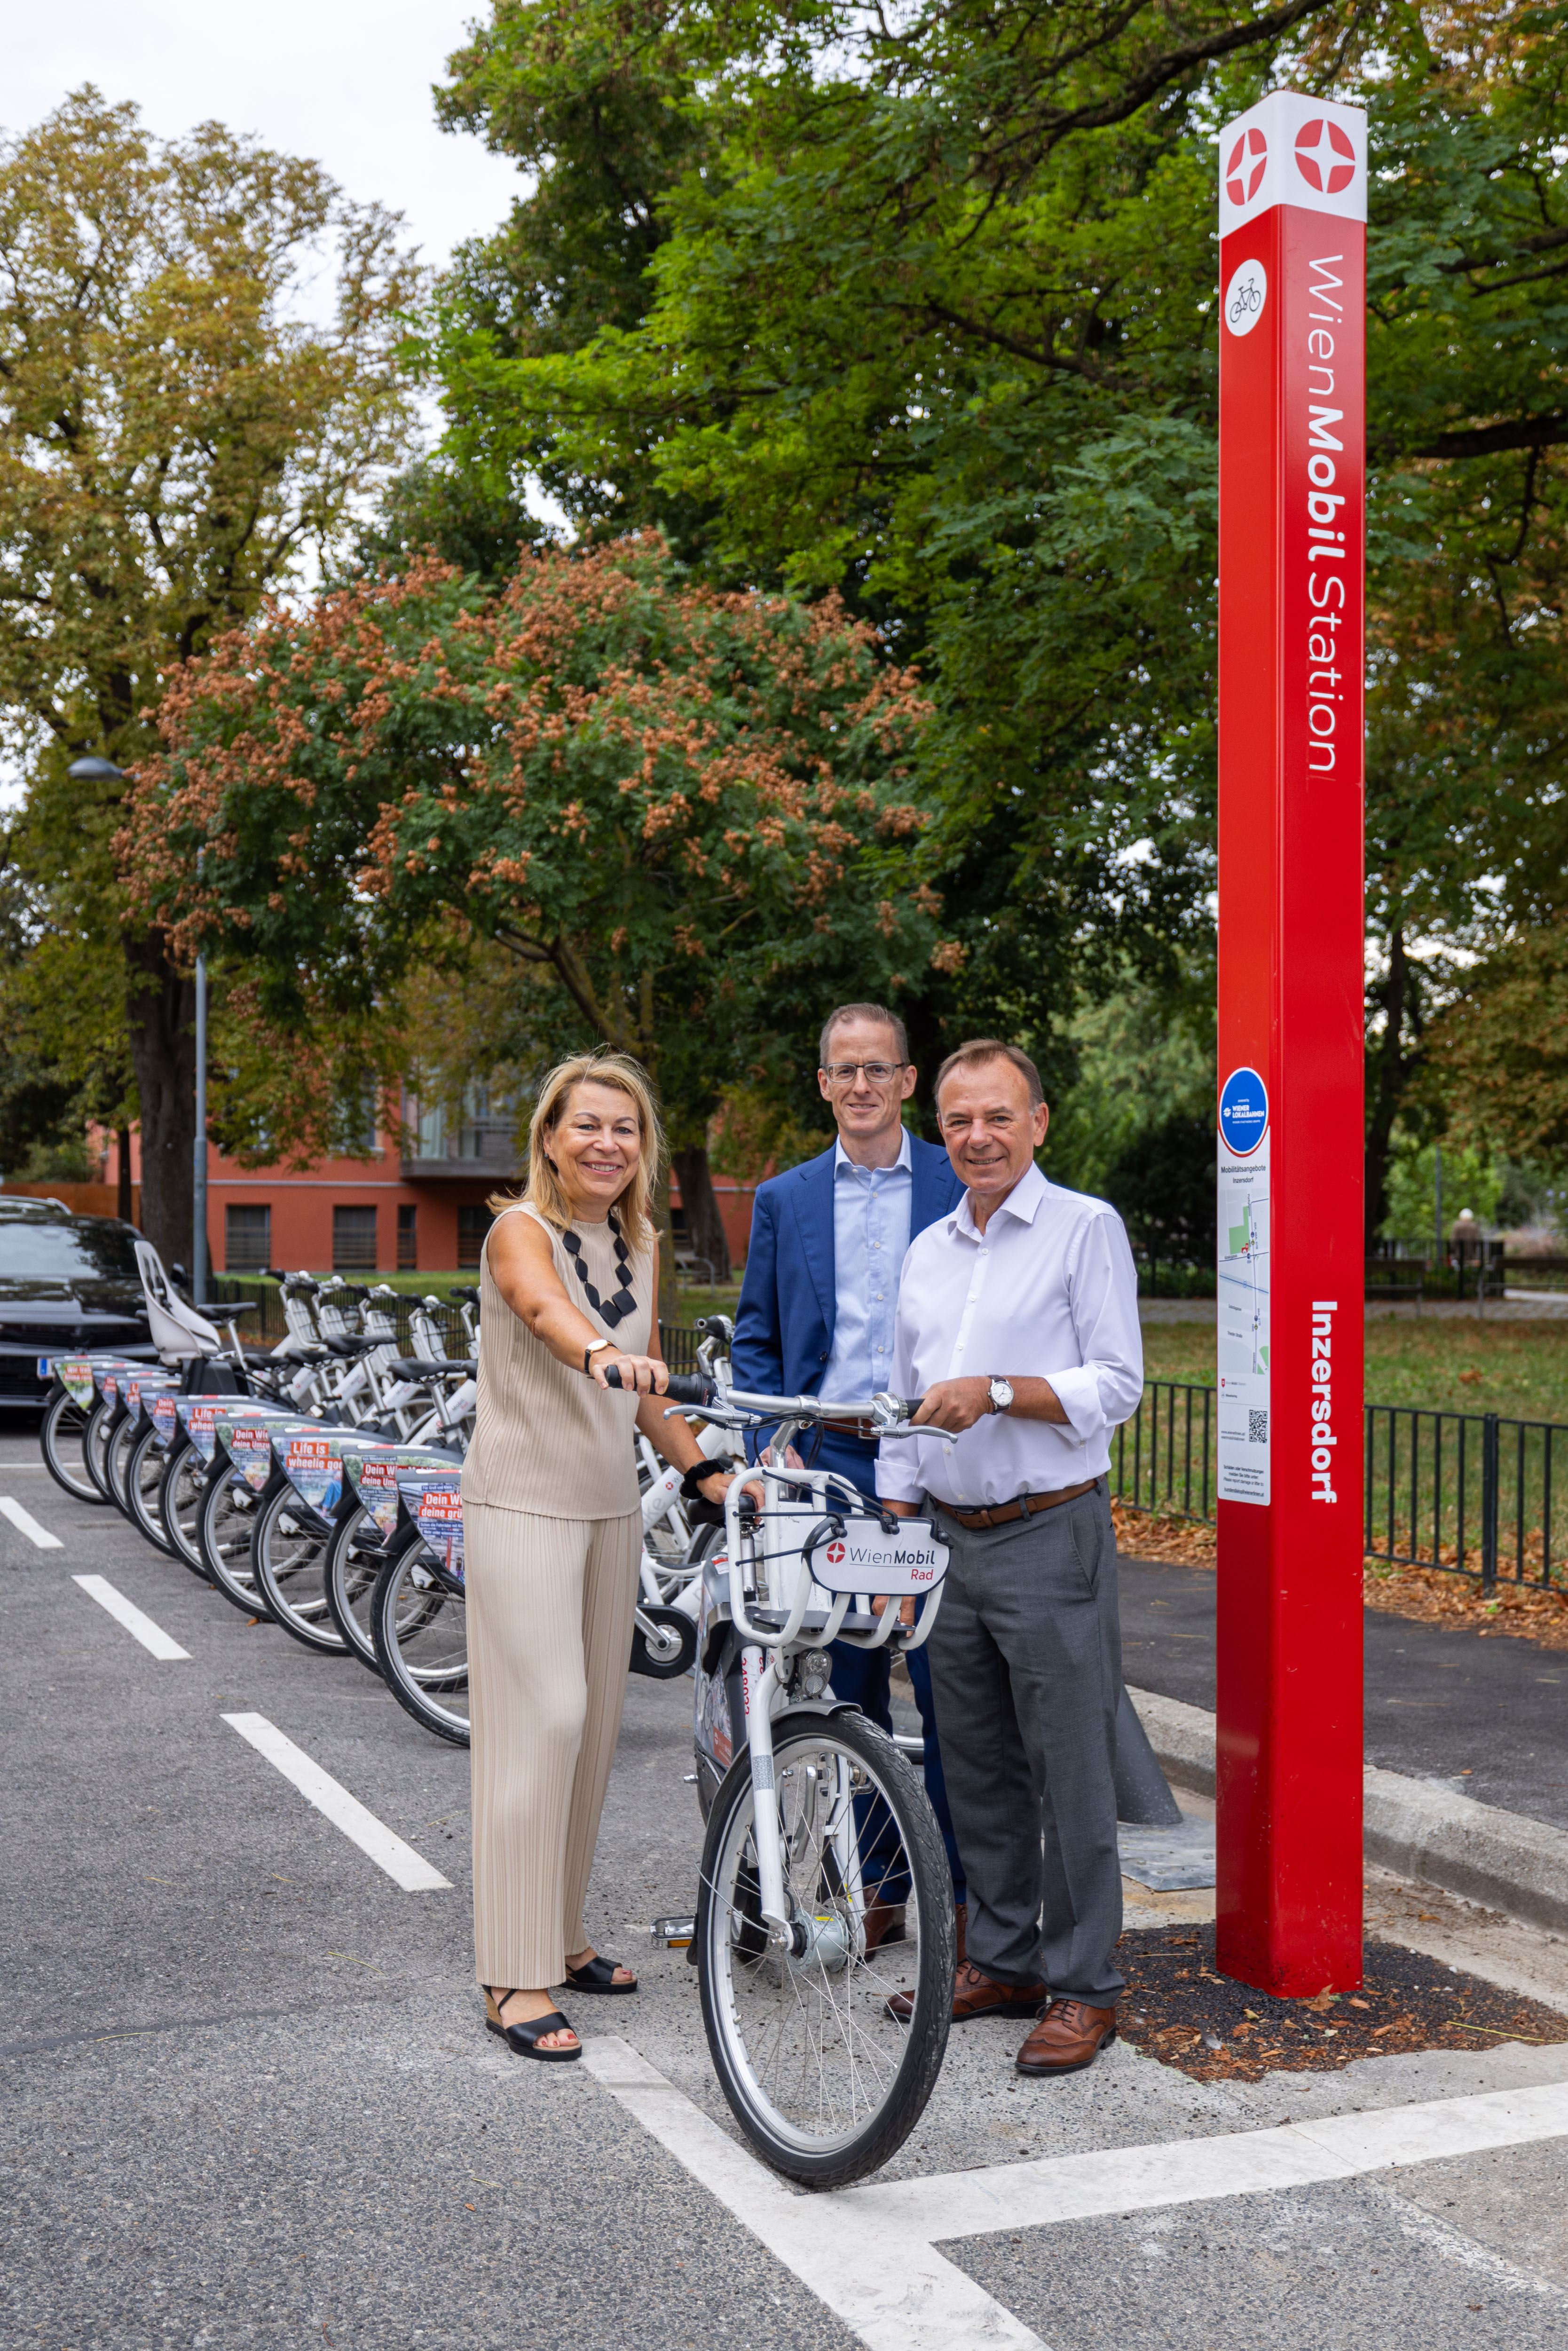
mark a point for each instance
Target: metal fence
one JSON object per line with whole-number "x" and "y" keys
{"x": 1466, "y": 1491}
{"x": 1164, "y": 1459}
{"x": 1472, "y": 1493}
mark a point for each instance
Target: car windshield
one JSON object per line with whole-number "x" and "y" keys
{"x": 88, "y": 1251}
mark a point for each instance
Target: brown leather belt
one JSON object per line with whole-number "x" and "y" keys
{"x": 1025, "y": 1507}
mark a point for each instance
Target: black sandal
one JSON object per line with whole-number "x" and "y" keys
{"x": 599, "y": 1975}
{"x": 523, "y": 2039}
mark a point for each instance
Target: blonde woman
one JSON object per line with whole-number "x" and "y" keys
{"x": 552, "y": 1531}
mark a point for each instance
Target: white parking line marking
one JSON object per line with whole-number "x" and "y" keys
{"x": 27, "y": 1524}
{"x": 125, "y": 1612}
{"x": 898, "y": 2295}
{"x": 1190, "y": 2171}
{"x": 911, "y": 2299}
{"x": 399, "y": 1861}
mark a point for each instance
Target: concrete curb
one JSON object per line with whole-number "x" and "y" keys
{"x": 1503, "y": 1859}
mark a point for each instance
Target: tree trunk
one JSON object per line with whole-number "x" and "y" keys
{"x": 160, "y": 1004}
{"x": 706, "y": 1234}
{"x": 123, "y": 1201}
{"x": 1389, "y": 1072}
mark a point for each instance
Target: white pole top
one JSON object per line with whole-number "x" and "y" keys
{"x": 1290, "y": 149}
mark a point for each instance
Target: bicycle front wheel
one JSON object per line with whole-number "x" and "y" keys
{"x": 65, "y": 1424}
{"x": 181, "y": 1493}
{"x": 355, "y": 1557}
{"x": 288, "y": 1555}
{"x": 420, "y": 1620}
{"x": 223, "y": 1521}
{"x": 144, "y": 1487}
{"x": 826, "y": 2084}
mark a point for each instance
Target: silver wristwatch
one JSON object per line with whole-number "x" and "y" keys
{"x": 1001, "y": 1394}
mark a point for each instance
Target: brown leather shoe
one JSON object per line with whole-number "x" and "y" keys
{"x": 1069, "y": 2036}
{"x": 884, "y": 1924}
{"x": 975, "y": 1994}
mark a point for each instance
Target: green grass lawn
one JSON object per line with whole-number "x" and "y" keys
{"x": 1520, "y": 1369}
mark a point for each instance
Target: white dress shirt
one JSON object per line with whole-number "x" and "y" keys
{"x": 871, "y": 1234}
{"x": 1048, "y": 1290}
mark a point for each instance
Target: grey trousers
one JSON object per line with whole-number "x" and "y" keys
{"x": 1025, "y": 1669}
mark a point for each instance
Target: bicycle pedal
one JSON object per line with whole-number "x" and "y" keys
{"x": 673, "y": 1934}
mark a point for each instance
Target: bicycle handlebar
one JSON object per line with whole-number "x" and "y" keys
{"x": 684, "y": 1387}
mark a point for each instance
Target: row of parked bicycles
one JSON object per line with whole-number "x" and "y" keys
{"x": 318, "y": 1487}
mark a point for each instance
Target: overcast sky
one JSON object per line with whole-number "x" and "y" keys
{"x": 345, "y": 81}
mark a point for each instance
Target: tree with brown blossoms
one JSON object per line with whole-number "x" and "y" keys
{"x": 683, "y": 815}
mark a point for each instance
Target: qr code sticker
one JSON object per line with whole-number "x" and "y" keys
{"x": 1257, "y": 1428}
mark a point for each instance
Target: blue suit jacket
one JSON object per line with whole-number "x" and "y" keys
{"x": 788, "y": 1300}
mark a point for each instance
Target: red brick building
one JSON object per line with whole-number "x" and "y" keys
{"x": 411, "y": 1210}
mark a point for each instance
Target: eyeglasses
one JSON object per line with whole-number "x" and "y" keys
{"x": 877, "y": 1074}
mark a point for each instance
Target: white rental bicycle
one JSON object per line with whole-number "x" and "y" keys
{"x": 825, "y": 1891}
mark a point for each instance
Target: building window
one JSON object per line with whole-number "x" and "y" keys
{"x": 472, "y": 1224}
{"x": 247, "y": 1239}
{"x": 408, "y": 1238}
{"x": 353, "y": 1240}
{"x": 362, "y": 1135}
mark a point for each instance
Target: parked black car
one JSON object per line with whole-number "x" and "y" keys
{"x": 66, "y": 1284}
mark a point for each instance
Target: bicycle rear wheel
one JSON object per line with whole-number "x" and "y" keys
{"x": 143, "y": 1489}
{"x": 826, "y": 2086}
{"x": 421, "y": 1625}
{"x": 60, "y": 1438}
{"x": 288, "y": 1556}
{"x": 355, "y": 1557}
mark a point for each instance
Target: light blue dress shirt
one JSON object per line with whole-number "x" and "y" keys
{"x": 871, "y": 1233}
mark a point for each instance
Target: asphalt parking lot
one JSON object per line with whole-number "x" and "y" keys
{"x": 251, "y": 2101}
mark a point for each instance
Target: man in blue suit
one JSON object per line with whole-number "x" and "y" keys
{"x": 816, "y": 1306}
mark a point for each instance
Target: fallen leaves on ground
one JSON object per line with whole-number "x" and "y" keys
{"x": 1179, "y": 2008}
{"x": 1430, "y": 1595}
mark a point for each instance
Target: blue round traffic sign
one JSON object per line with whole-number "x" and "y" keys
{"x": 1243, "y": 1113}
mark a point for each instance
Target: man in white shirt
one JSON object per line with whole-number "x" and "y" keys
{"x": 1018, "y": 1323}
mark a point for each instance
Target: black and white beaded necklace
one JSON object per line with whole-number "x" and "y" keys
{"x": 614, "y": 1310}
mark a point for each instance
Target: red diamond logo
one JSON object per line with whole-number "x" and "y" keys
{"x": 1319, "y": 146}
{"x": 1244, "y": 172}
{"x": 835, "y": 1554}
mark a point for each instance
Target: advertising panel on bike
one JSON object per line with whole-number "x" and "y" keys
{"x": 200, "y": 1415}
{"x": 247, "y": 1435}
{"x": 312, "y": 1461}
{"x": 436, "y": 1508}
{"x": 165, "y": 1416}
{"x": 74, "y": 1373}
{"x": 374, "y": 1477}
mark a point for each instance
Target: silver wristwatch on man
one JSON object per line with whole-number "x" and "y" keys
{"x": 1001, "y": 1394}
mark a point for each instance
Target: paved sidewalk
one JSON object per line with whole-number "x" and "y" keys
{"x": 1483, "y": 1715}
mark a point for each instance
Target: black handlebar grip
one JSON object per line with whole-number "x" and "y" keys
{"x": 685, "y": 1387}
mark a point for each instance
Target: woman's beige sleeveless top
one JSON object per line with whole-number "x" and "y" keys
{"x": 546, "y": 1438}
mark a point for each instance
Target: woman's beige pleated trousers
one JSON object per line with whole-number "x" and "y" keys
{"x": 551, "y": 1602}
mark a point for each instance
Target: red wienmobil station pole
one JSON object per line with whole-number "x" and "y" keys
{"x": 1292, "y": 209}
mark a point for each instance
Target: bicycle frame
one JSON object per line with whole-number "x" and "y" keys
{"x": 773, "y": 1628}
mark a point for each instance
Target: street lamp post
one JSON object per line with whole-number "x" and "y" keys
{"x": 199, "y": 1173}
{"x": 104, "y": 772}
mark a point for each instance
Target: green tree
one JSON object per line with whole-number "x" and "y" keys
{"x": 174, "y": 445}
{"x": 928, "y": 317}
